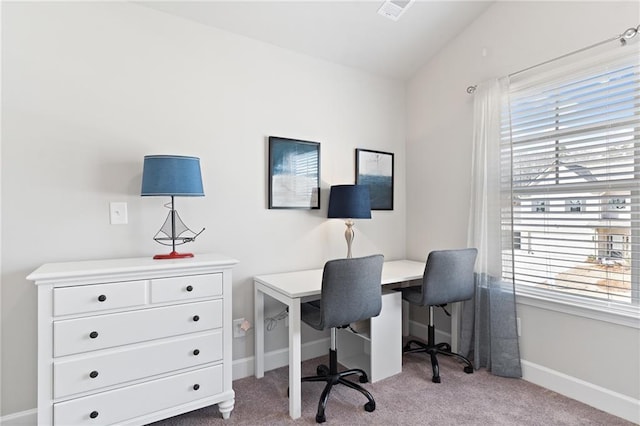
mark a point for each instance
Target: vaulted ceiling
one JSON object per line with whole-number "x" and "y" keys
{"x": 351, "y": 33}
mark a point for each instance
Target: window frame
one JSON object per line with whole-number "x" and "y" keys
{"x": 566, "y": 303}
{"x": 561, "y": 299}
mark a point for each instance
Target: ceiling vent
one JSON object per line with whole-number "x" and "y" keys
{"x": 393, "y": 9}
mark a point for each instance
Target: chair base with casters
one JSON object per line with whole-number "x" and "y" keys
{"x": 332, "y": 377}
{"x": 433, "y": 349}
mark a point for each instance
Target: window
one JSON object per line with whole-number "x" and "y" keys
{"x": 571, "y": 146}
{"x": 539, "y": 206}
{"x": 574, "y": 206}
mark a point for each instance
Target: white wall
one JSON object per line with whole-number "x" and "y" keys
{"x": 513, "y": 36}
{"x": 89, "y": 88}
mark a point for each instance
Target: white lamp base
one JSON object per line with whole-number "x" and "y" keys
{"x": 349, "y": 235}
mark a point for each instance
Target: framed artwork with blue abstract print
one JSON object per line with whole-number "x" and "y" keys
{"x": 375, "y": 168}
{"x": 294, "y": 174}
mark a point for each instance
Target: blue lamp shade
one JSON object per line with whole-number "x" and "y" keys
{"x": 349, "y": 202}
{"x": 171, "y": 175}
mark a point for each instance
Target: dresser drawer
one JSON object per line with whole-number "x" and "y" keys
{"x": 98, "y": 297}
{"x": 116, "y": 406}
{"x": 86, "y": 373}
{"x": 104, "y": 331}
{"x": 188, "y": 287}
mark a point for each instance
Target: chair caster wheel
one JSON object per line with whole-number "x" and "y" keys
{"x": 321, "y": 418}
{"x": 370, "y": 406}
{"x": 322, "y": 370}
{"x": 364, "y": 379}
{"x": 468, "y": 369}
{"x": 435, "y": 379}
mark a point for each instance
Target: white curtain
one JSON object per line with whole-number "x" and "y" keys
{"x": 488, "y": 330}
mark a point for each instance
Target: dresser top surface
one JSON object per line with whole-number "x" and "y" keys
{"x": 139, "y": 265}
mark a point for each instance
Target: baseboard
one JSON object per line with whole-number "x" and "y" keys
{"x": 245, "y": 367}
{"x": 596, "y": 396}
{"x": 22, "y": 418}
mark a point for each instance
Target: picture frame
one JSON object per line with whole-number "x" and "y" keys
{"x": 376, "y": 169}
{"x": 294, "y": 174}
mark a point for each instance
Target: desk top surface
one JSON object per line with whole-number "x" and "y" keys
{"x": 308, "y": 283}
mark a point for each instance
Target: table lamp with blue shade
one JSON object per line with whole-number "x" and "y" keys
{"x": 172, "y": 176}
{"x": 349, "y": 202}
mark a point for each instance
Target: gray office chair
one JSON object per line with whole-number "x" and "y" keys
{"x": 448, "y": 278}
{"x": 351, "y": 291}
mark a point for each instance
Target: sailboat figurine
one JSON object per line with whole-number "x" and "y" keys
{"x": 173, "y": 233}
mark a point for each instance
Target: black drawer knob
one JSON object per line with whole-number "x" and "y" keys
{"x": 189, "y": 288}
{"x": 196, "y": 352}
{"x": 93, "y": 414}
{"x": 93, "y": 334}
{"x": 93, "y": 374}
{"x": 102, "y": 298}
{"x": 196, "y": 386}
{"x": 196, "y": 318}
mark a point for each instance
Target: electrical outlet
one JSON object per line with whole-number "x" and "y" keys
{"x": 518, "y": 327}
{"x": 238, "y": 331}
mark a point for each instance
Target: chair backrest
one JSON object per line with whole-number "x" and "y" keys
{"x": 448, "y": 276}
{"x": 351, "y": 290}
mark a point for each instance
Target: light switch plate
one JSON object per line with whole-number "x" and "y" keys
{"x": 118, "y": 213}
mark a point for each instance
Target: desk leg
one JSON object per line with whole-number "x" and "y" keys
{"x": 258, "y": 308}
{"x": 295, "y": 375}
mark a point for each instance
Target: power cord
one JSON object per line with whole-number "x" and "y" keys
{"x": 271, "y": 322}
{"x": 353, "y": 330}
{"x": 445, "y": 309}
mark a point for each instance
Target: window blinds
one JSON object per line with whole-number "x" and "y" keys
{"x": 571, "y": 149}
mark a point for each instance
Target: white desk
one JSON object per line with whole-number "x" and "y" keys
{"x": 292, "y": 288}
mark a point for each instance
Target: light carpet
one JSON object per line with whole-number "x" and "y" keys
{"x": 409, "y": 398}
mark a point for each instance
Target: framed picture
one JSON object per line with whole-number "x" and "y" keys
{"x": 375, "y": 168}
{"x": 294, "y": 174}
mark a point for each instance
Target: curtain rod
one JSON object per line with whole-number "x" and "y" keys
{"x": 627, "y": 35}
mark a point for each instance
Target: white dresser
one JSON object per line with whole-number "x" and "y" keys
{"x": 132, "y": 341}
